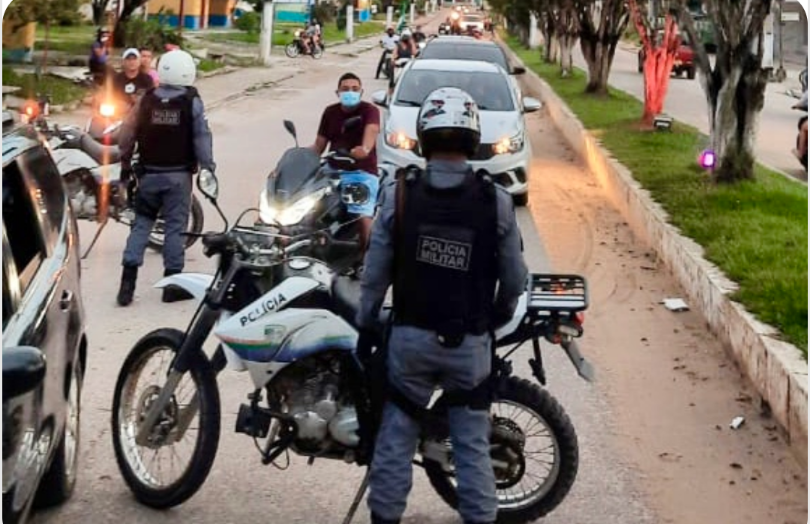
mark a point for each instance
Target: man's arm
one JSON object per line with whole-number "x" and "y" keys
{"x": 372, "y": 130}
{"x": 379, "y": 261}
{"x": 512, "y": 270}
{"x": 203, "y": 140}
{"x": 126, "y": 140}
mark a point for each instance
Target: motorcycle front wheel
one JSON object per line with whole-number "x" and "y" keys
{"x": 291, "y": 50}
{"x": 174, "y": 461}
{"x": 317, "y": 52}
{"x": 534, "y": 451}
{"x": 195, "y": 225}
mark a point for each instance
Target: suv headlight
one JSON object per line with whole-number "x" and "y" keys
{"x": 400, "y": 140}
{"x": 507, "y": 145}
{"x": 291, "y": 214}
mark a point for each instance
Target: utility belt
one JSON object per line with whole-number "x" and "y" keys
{"x": 146, "y": 170}
{"x": 452, "y": 333}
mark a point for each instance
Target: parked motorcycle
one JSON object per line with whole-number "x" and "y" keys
{"x": 91, "y": 172}
{"x": 801, "y": 106}
{"x": 301, "y": 197}
{"x": 296, "y": 47}
{"x": 289, "y": 322}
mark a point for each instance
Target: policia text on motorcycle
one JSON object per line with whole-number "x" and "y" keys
{"x": 445, "y": 238}
{"x": 169, "y": 128}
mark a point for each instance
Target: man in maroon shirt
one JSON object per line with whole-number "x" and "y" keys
{"x": 360, "y": 139}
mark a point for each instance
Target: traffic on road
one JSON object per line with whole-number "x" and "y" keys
{"x": 388, "y": 259}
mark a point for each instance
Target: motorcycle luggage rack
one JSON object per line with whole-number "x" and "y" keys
{"x": 548, "y": 292}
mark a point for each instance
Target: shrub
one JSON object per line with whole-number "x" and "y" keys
{"x": 249, "y": 22}
{"x": 150, "y": 33}
{"x": 324, "y": 12}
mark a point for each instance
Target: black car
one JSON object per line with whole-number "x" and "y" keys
{"x": 44, "y": 342}
{"x": 467, "y": 48}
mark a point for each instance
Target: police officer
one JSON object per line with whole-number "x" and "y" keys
{"x": 173, "y": 140}
{"x": 445, "y": 237}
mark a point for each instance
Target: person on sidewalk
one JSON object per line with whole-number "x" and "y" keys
{"x": 172, "y": 136}
{"x": 146, "y": 65}
{"x": 445, "y": 306}
{"x": 359, "y": 139}
{"x": 131, "y": 83}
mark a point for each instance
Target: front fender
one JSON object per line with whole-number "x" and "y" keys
{"x": 196, "y": 284}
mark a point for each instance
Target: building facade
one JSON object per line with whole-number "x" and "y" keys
{"x": 197, "y": 14}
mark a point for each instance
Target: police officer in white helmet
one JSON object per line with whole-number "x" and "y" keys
{"x": 445, "y": 237}
{"x": 169, "y": 130}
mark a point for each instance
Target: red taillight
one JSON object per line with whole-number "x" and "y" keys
{"x": 580, "y": 317}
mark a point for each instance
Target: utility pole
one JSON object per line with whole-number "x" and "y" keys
{"x": 180, "y": 19}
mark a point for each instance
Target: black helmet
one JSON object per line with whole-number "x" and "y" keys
{"x": 448, "y": 122}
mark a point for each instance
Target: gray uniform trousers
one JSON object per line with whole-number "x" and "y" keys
{"x": 417, "y": 363}
{"x": 167, "y": 193}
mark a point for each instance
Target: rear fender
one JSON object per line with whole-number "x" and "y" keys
{"x": 196, "y": 284}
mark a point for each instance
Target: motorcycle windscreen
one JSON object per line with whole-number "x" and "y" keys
{"x": 295, "y": 169}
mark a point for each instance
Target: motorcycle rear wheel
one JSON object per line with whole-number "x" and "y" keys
{"x": 542, "y": 499}
{"x": 195, "y": 225}
{"x": 291, "y": 50}
{"x": 130, "y": 406}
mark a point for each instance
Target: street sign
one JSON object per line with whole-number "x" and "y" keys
{"x": 790, "y": 17}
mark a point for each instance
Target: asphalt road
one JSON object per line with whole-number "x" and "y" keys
{"x": 613, "y": 485}
{"x": 776, "y": 135}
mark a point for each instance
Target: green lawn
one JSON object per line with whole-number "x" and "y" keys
{"x": 756, "y": 232}
{"x": 283, "y": 33}
{"x": 69, "y": 39}
{"x": 61, "y": 90}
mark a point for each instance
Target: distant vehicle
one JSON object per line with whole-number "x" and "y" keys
{"x": 684, "y": 58}
{"x": 44, "y": 342}
{"x": 469, "y": 22}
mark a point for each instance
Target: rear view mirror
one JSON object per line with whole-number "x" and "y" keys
{"x": 290, "y": 127}
{"x": 531, "y": 105}
{"x": 23, "y": 370}
{"x": 518, "y": 70}
{"x": 208, "y": 184}
{"x": 379, "y": 98}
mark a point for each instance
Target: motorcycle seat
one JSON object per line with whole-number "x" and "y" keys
{"x": 99, "y": 152}
{"x": 346, "y": 298}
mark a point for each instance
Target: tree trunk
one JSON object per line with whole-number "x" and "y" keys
{"x": 599, "y": 57}
{"x": 552, "y": 49}
{"x": 736, "y": 102}
{"x": 657, "y": 70}
{"x": 566, "y": 55}
{"x": 98, "y": 13}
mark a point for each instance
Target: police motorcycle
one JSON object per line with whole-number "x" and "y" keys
{"x": 104, "y": 125}
{"x": 301, "y": 196}
{"x": 91, "y": 172}
{"x": 289, "y": 323}
{"x": 297, "y": 48}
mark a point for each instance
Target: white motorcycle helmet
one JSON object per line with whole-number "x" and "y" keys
{"x": 177, "y": 68}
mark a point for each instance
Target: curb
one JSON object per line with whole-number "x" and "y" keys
{"x": 242, "y": 92}
{"x": 777, "y": 369}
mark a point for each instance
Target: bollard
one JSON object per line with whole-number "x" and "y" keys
{"x": 413, "y": 13}
{"x": 389, "y": 16}
{"x": 349, "y": 23}
{"x": 266, "y": 37}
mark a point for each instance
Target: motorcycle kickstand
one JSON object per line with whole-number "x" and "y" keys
{"x": 358, "y": 497}
{"x": 95, "y": 238}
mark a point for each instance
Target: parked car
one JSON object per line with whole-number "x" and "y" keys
{"x": 684, "y": 58}
{"x": 505, "y": 150}
{"x": 467, "y": 48}
{"x": 44, "y": 342}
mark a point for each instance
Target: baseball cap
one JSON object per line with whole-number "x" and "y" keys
{"x": 131, "y": 52}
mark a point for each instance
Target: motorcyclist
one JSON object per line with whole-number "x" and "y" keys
{"x": 405, "y": 48}
{"x": 418, "y": 35}
{"x": 801, "y": 145}
{"x": 310, "y": 36}
{"x": 445, "y": 237}
{"x": 360, "y": 141}
{"x": 169, "y": 127}
{"x": 389, "y": 43}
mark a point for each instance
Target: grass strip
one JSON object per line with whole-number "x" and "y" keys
{"x": 283, "y": 34}
{"x": 62, "y": 91}
{"x": 754, "y": 231}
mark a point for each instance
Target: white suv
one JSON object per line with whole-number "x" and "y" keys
{"x": 505, "y": 151}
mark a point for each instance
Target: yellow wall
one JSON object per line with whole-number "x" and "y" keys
{"x": 190, "y": 7}
{"x": 222, "y": 7}
{"x": 22, "y": 38}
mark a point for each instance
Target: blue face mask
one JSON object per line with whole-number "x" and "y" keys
{"x": 349, "y": 98}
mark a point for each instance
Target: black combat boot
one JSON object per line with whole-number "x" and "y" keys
{"x": 174, "y": 293}
{"x": 376, "y": 519}
{"x": 127, "y": 289}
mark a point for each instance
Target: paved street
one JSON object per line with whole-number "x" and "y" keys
{"x": 655, "y": 446}
{"x": 686, "y": 102}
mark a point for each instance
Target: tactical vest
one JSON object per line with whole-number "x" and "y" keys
{"x": 446, "y": 255}
{"x": 166, "y": 131}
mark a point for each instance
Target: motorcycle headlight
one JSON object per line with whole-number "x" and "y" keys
{"x": 400, "y": 140}
{"x": 298, "y": 34}
{"x": 508, "y": 145}
{"x": 291, "y": 214}
{"x": 106, "y": 110}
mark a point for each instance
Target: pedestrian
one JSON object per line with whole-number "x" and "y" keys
{"x": 445, "y": 237}
{"x": 131, "y": 83}
{"x": 360, "y": 140}
{"x": 169, "y": 129}
{"x": 146, "y": 65}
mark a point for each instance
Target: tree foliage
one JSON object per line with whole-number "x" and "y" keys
{"x": 659, "y": 56}
{"x": 42, "y": 11}
{"x": 735, "y": 86}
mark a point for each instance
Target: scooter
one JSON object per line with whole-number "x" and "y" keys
{"x": 296, "y": 47}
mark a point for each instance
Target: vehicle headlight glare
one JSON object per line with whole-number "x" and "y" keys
{"x": 290, "y": 215}
{"x": 400, "y": 140}
{"x": 508, "y": 145}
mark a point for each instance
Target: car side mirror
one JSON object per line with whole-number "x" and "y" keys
{"x": 530, "y": 105}
{"x": 518, "y": 70}
{"x": 380, "y": 98}
{"x": 23, "y": 370}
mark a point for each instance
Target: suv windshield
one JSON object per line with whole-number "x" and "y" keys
{"x": 490, "y": 90}
{"x": 480, "y": 52}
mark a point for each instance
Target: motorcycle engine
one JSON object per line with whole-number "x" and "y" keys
{"x": 311, "y": 388}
